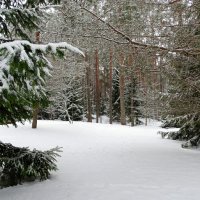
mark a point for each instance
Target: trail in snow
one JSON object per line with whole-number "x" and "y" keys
{"x": 107, "y": 162}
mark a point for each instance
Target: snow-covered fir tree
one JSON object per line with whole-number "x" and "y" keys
{"x": 182, "y": 97}
{"x": 23, "y": 70}
{"x": 19, "y": 164}
{"x": 23, "y": 63}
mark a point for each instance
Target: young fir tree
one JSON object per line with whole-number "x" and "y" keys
{"x": 21, "y": 164}
{"x": 115, "y": 96}
{"x": 184, "y": 91}
{"x": 133, "y": 112}
{"x": 23, "y": 65}
{"x": 133, "y": 103}
{"x": 69, "y": 104}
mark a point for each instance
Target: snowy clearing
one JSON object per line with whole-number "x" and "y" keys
{"x": 107, "y": 162}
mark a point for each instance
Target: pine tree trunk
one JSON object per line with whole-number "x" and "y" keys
{"x": 110, "y": 87}
{"x": 146, "y": 105}
{"x": 89, "y": 107}
{"x": 121, "y": 91}
{"x": 35, "y": 114}
{"x": 155, "y": 87}
{"x": 132, "y": 110}
{"x": 130, "y": 65}
{"x": 97, "y": 87}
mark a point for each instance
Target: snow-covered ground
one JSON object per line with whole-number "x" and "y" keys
{"x": 107, "y": 162}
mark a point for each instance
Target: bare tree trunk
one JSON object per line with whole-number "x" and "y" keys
{"x": 130, "y": 64}
{"x": 97, "y": 87}
{"x": 110, "y": 86}
{"x": 155, "y": 87}
{"x": 132, "y": 108}
{"x": 35, "y": 114}
{"x": 146, "y": 115}
{"x": 121, "y": 91}
{"x": 146, "y": 104}
{"x": 89, "y": 107}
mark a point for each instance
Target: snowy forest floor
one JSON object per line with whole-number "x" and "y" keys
{"x": 107, "y": 162}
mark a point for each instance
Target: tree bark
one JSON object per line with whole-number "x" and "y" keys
{"x": 121, "y": 91}
{"x": 130, "y": 64}
{"x": 110, "y": 86}
{"x": 97, "y": 87}
{"x": 146, "y": 103}
{"x": 89, "y": 107}
{"x": 35, "y": 115}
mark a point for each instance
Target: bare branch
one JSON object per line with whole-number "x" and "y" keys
{"x": 142, "y": 45}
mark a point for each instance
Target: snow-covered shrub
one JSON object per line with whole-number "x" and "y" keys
{"x": 189, "y": 130}
{"x": 176, "y": 122}
{"x": 21, "y": 164}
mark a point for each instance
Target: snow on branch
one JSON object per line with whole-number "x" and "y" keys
{"x": 64, "y": 45}
{"x": 17, "y": 45}
{"x": 32, "y": 57}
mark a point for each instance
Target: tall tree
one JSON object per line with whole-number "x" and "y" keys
{"x": 97, "y": 94}
{"x": 122, "y": 88}
{"x": 110, "y": 85}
